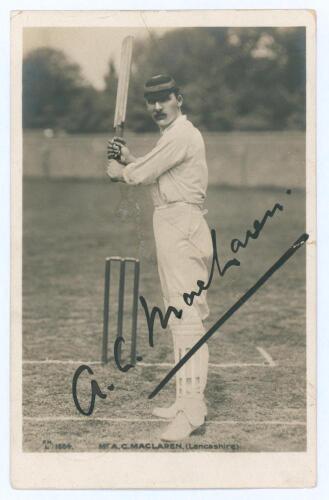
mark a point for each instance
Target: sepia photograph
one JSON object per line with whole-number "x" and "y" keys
{"x": 164, "y": 221}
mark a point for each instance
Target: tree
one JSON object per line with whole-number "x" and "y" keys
{"x": 50, "y": 83}
{"x": 90, "y": 112}
{"x": 233, "y": 78}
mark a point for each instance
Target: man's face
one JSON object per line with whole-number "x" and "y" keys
{"x": 164, "y": 109}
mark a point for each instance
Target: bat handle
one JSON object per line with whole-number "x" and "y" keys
{"x": 119, "y": 130}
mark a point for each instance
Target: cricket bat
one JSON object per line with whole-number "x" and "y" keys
{"x": 125, "y": 207}
{"x": 123, "y": 86}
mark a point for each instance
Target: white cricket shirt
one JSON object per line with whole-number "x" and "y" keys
{"x": 176, "y": 167}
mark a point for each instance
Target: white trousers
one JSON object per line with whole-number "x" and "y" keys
{"x": 184, "y": 250}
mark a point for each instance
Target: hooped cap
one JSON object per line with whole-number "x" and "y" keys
{"x": 159, "y": 85}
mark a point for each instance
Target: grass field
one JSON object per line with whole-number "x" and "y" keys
{"x": 256, "y": 386}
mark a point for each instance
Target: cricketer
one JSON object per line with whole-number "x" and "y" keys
{"x": 176, "y": 171}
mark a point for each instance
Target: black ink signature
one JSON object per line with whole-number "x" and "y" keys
{"x": 188, "y": 298}
{"x": 235, "y": 245}
{"x": 95, "y": 390}
{"x": 279, "y": 263}
{"x": 258, "y": 226}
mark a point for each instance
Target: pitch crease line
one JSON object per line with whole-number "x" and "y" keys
{"x": 131, "y": 420}
{"x": 142, "y": 365}
{"x": 266, "y": 356}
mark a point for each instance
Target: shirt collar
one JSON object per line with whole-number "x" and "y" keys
{"x": 177, "y": 121}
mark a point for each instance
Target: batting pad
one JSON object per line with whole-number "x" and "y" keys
{"x": 191, "y": 379}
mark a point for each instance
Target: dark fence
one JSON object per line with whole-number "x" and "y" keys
{"x": 274, "y": 159}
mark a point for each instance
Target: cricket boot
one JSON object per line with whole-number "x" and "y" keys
{"x": 167, "y": 412}
{"x": 180, "y": 428}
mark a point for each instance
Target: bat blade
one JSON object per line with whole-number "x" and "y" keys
{"x": 123, "y": 84}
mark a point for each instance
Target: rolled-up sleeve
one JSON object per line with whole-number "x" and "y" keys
{"x": 169, "y": 152}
